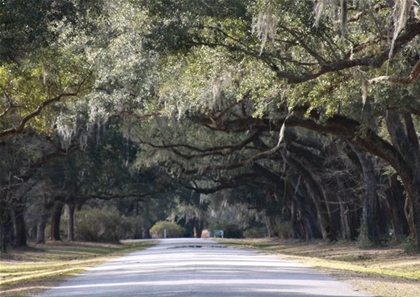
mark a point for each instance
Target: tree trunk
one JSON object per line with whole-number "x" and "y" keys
{"x": 404, "y": 138}
{"x": 19, "y": 225}
{"x": 269, "y": 226}
{"x": 315, "y": 189}
{"x": 413, "y": 209}
{"x": 40, "y": 233}
{"x": 71, "y": 207}
{"x": 372, "y": 216}
{"x": 5, "y": 221}
{"x": 198, "y": 227}
{"x": 42, "y": 223}
{"x": 146, "y": 219}
{"x": 395, "y": 198}
{"x": 55, "y": 220}
{"x": 306, "y": 214}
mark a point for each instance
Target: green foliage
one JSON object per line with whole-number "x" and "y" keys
{"x": 284, "y": 230}
{"x": 27, "y": 26}
{"x": 363, "y": 241}
{"x": 230, "y": 229}
{"x": 254, "y": 232}
{"x": 100, "y": 225}
{"x": 173, "y": 230}
{"x": 410, "y": 245}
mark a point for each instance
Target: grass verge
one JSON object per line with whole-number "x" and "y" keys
{"x": 30, "y": 270}
{"x": 381, "y": 272}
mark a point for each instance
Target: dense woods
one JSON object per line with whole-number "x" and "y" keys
{"x": 296, "y": 119}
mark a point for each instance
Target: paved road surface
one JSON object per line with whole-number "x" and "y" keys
{"x": 200, "y": 268}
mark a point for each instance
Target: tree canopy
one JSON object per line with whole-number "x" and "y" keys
{"x": 312, "y": 104}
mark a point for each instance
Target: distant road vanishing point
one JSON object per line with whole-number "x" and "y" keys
{"x": 200, "y": 268}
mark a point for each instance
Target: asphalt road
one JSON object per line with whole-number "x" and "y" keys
{"x": 200, "y": 268}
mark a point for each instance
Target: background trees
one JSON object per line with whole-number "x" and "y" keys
{"x": 269, "y": 65}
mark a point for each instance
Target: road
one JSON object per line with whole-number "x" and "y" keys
{"x": 200, "y": 268}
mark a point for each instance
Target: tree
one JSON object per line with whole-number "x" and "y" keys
{"x": 218, "y": 62}
{"x": 23, "y": 156}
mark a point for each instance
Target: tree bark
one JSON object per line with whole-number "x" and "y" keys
{"x": 55, "y": 220}
{"x": 372, "y": 216}
{"x": 40, "y": 233}
{"x": 19, "y": 225}
{"x": 404, "y": 138}
{"x": 307, "y": 219}
{"x": 198, "y": 227}
{"x": 395, "y": 198}
{"x": 269, "y": 225}
{"x": 5, "y": 222}
{"x": 327, "y": 229}
{"x": 71, "y": 207}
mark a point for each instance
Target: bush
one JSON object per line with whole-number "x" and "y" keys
{"x": 254, "y": 232}
{"x": 284, "y": 230}
{"x": 363, "y": 240}
{"x": 232, "y": 231}
{"x": 410, "y": 245}
{"x": 135, "y": 228}
{"x": 172, "y": 230}
{"x": 100, "y": 225}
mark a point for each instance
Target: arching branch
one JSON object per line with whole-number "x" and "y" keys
{"x": 21, "y": 126}
{"x": 398, "y": 80}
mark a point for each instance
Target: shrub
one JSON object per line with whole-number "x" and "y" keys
{"x": 100, "y": 225}
{"x": 410, "y": 245}
{"x": 232, "y": 231}
{"x": 135, "y": 228}
{"x": 363, "y": 240}
{"x": 254, "y": 232}
{"x": 172, "y": 230}
{"x": 284, "y": 230}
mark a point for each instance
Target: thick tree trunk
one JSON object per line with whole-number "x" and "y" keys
{"x": 146, "y": 219}
{"x": 315, "y": 189}
{"x": 413, "y": 209}
{"x": 42, "y": 223}
{"x": 395, "y": 198}
{"x": 19, "y": 225}
{"x": 269, "y": 226}
{"x": 55, "y": 220}
{"x": 71, "y": 207}
{"x": 198, "y": 227}
{"x": 372, "y": 216}
{"x": 40, "y": 233}
{"x": 307, "y": 215}
{"x": 5, "y": 221}
{"x": 404, "y": 138}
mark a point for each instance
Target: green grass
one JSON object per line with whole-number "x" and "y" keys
{"x": 29, "y": 270}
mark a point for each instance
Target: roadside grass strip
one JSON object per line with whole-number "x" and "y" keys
{"x": 346, "y": 257}
{"x": 337, "y": 265}
{"x": 40, "y": 275}
{"x": 32, "y": 267}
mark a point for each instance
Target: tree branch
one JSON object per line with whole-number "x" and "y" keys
{"x": 218, "y": 150}
{"x": 398, "y": 80}
{"x": 234, "y": 182}
{"x": 19, "y": 128}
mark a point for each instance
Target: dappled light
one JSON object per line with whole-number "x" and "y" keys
{"x": 206, "y": 271}
{"x": 281, "y": 119}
